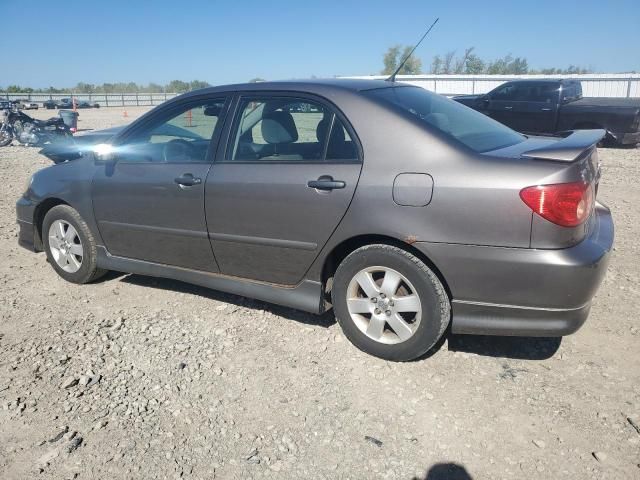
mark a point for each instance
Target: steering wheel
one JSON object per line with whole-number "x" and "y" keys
{"x": 178, "y": 150}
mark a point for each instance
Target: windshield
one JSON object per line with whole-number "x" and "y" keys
{"x": 473, "y": 129}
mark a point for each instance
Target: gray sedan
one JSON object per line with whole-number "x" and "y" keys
{"x": 402, "y": 210}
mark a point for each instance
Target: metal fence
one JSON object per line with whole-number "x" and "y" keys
{"x": 593, "y": 85}
{"x": 103, "y": 99}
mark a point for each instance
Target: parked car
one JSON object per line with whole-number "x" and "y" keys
{"x": 67, "y": 103}
{"x": 6, "y": 105}
{"x": 26, "y": 105}
{"x": 86, "y": 104}
{"x": 399, "y": 208}
{"x": 552, "y": 106}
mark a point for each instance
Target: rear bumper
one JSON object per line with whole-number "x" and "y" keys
{"x": 490, "y": 319}
{"x": 522, "y": 291}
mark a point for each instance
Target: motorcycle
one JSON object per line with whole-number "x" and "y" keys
{"x": 30, "y": 131}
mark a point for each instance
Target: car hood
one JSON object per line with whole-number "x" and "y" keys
{"x": 78, "y": 145}
{"x": 98, "y": 136}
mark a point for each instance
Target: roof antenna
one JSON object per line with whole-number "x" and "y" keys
{"x": 392, "y": 78}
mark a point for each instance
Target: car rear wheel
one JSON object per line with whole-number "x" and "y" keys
{"x": 70, "y": 246}
{"x": 389, "y": 303}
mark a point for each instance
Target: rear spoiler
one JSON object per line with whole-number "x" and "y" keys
{"x": 568, "y": 149}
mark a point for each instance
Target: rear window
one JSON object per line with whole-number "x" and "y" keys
{"x": 473, "y": 129}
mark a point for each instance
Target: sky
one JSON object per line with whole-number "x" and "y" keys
{"x": 60, "y": 43}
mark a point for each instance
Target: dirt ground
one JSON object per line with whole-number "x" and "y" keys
{"x": 135, "y": 377}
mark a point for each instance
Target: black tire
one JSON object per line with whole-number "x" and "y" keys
{"x": 88, "y": 271}
{"x": 434, "y": 301}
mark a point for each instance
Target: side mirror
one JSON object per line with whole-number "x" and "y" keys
{"x": 104, "y": 153}
{"x": 483, "y": 102}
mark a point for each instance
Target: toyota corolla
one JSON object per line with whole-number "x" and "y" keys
{"x": 402, "y": 210}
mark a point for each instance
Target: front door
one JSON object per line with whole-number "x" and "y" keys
{"x": 149, "y": 199}
{"x": 501, "y": 104}
{"x": 280, "y": 189}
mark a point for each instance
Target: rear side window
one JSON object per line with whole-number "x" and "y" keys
{"x": 341, "y": 146}
{"x": 571, "y": 91}
{"x": 287, "y": 129}
{"x": 542, "y": 92}
{"x": 463, "y": 124}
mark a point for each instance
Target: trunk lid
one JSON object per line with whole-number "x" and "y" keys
{"x": 557, "y": 162}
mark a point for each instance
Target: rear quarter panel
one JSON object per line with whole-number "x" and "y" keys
{"x": 475, "y": 197}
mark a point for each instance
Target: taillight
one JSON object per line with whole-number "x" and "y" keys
{"x": 565, "y": 204}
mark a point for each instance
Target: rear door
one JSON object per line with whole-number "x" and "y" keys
{"x": 535, "y": 107}
{"x": 279, "y": 189}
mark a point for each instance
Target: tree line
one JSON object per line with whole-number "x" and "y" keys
{"x": 468, "y": 63}
{"x": 174, "y": 86}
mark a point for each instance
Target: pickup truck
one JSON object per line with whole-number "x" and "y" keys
{"x": 554, "y": 106}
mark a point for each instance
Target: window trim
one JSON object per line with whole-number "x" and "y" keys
{"x": 166, "y": 111}
{"x": 523, "y": 84}
{"x": 224, "y": 153}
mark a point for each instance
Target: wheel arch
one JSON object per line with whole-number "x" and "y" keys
{"x": 38, "y": 218}
{"x": 343, "y": 249}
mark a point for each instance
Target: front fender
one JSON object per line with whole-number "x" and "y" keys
{"x": 66, "y": 183}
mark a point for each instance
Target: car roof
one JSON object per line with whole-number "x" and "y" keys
{"x": 308, "y": 86}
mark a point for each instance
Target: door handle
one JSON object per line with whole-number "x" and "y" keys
{"x": 187, "y": 180}
{"x": 326, "y": 183}
{"x": 508, "y": 108}
{"x": 545, "y": 109}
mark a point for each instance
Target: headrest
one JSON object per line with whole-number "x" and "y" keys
{"x": 279, "y": 127}
{"x": 337, "y": 134}
{"x": 439, "y": 120}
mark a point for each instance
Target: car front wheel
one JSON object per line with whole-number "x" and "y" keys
{"x": 389, "y": 303}
{"x": 70, "y": 246}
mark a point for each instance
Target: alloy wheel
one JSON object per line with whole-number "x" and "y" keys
{"x": 66, "y": 246}
{"x": 384, "y": 305}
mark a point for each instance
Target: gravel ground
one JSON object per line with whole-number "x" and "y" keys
{"x": 134, "y": 377}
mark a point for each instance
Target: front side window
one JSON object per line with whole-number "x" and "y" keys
{"x": 287, "y": 129}
{"x": 508, "y": 92}
{"x": 182, "y": 137}
{"x": 463, "y": 124}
